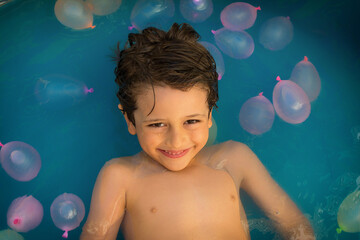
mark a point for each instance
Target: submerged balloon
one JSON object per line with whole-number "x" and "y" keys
{"x": 348, "y": 215}
{"x": 257, "y": 115}
{"x": 59, "y": 92}
{"x": 24, "y": 214}
{"x": 238, "y": 16}
{"x": 104, "y": 7}
{"x": 9, "y": 234}
{"x": 216, "y": 54}
{"x": 75, "y": 14}
{"x": 307, "y": 77}
{"x": 67, "y": 212}
{"x": 276, "y": 33}
{"x": 236, "y": 44}
{"x": 196, "y": 10}
{"x": 20, "y": 160}
{"x": 291, "y": 102}
{"x": 152, "y": 13}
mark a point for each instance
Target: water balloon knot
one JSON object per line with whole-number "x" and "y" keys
{"x": 306, "y": 58}
{"x": 131, "y": 27}
{"x": 260, "y": 94}
{"x": 213, "y": 32}
{"x": 278, "y": 79}
{"x": 258, "y": 8}
{"x": 66, "y": 234}
{"x": 1, "y": 145}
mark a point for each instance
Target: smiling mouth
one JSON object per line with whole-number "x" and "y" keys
{"x": 174, "y": 154}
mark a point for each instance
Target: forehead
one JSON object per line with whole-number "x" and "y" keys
{"x": 173, "y": 101}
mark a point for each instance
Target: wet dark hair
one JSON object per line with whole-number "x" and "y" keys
{"x": 158, "y": 58}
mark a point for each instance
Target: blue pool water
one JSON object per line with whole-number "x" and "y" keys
{"x": 315, "y": 162}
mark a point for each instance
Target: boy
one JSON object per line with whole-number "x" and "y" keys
{"x": 177, "y": 188}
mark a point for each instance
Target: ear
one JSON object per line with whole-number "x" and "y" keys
{"x": 131, "y": 127}
{"x": 210, "y": 119}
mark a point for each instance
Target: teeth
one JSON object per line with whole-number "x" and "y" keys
{"x": 174, "y": 153}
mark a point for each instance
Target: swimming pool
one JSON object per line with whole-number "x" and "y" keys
{"x": 316, "y": 162}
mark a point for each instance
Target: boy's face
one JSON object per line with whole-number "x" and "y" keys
{"x": 178, "y": 127}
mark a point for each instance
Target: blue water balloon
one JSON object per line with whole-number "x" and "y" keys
{"x": 291, "y": 102}
{"x": 60, "y": 92}
{"x": 67, "y": 211}
{"x": 216, "y": 54}
{"x": 238, "y": 16}
{"x": 257, "y": 115}
{"x": 236, "y": 44}
{"x": 196, "y": 11}
{"x": 24, "y": 214}
{"x": 152, "y": 13}
{"x": 307, "y": 77}
{"x": 20, "y": 160}
{"x": 103, "y": 7}
{"x": 276, "y": 33}
{"x": 75, "y": 14}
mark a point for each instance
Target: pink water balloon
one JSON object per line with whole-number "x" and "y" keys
{"x": 196, "y": 11}
{"x": 236, "y": 44}
{"x": 239, "y": 16}
{"x": 152, "y": 13}
{"x": 20, "y": 160}
{"x": 276, "y": 33}
{"x": 257, "y": 115}
{"x": 9, "y": 234}
{"x": 24, "y": 214}
{"x": 75, "y": 14}
{"x": 67, "y": 212}
{"x": 291, "y": 102}
{"x": 104, "y": 7}
{"x": 216, "y": 54}
{"x": 307, "y": 77}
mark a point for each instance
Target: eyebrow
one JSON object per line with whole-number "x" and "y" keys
{"x": 189, "y": 116}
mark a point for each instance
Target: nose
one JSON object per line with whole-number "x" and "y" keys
{"x": 176, "y": 137}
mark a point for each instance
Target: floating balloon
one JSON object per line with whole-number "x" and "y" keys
{"x": 104, "y": 7}
{"x": 214, "y": 51}
{"x": 276, "y": 33}
{"x": 196, "y": 11}
{"x": 9, "y": 234}
{"x": 75, "y": 14}
{"x": 236, "y": 44}
{"x": 152, "y": 13}
{"x": 238, "y": 16}
{"x": 24, "y": 214}
{"x": 20, "y": 160}
{"x": 67, "y": 212}
{"x": 59, "y": 92}
{"x": 306, "y": 76}
{"x": 348, "y": 215}
{"x": 291, "y": 102}
{"x": 257, "y": 115}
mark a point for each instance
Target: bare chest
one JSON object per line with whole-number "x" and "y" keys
{"x": 197, "y": 204}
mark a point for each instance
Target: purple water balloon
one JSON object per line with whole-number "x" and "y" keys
{"x": 20, "y": 160}
{"x": 236, "y": 44}
{"x": 24, "y": 214}
{"x": 257, "y": 115}
{"x": 216, "y": 54}
{"x": 291, "y": 102}
{"x": 196, "y": 11}
{"x": 307, "y": 77}
{"x": 152, "y": 13}
{"x": 67, "y": 212}
{"x": 239, "y": 16}
{"x": 276, "y": 33}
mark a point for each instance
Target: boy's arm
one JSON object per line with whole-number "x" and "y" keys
{"x": 267, "y": 194}
{"x": 107, "y": 203}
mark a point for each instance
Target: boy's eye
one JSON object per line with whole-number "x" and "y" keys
{"x": 156, "y": 125}
{"x": 192, "y": 121}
